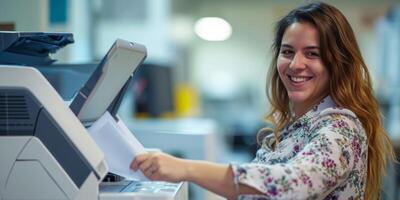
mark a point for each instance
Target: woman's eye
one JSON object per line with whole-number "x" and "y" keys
{"x": 286, "y": 52}
{"x": 313, "y": 54}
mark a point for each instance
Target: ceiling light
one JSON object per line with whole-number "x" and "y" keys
{"x": 213, "y": 29}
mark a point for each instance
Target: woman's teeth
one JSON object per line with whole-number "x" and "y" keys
{"x": 299, "y": 79}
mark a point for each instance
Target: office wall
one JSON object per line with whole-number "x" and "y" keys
{"x": 146, "y": 22}
{"x": 29, "y": 15}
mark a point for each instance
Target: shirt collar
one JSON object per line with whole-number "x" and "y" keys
{"x": 325, "y": 103}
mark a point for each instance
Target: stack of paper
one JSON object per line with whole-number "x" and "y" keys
{"x": 119, "y": 146}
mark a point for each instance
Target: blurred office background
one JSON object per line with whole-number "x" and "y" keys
{"x": 201, "y": 92}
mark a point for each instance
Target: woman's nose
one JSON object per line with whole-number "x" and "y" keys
{"x": 298, "y": 62}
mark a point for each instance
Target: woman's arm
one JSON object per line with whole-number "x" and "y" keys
{"x": 214, "y": 177}
{"x": 325, "y": 162}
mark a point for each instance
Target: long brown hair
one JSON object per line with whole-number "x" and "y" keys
{"x": 350, "y": 84}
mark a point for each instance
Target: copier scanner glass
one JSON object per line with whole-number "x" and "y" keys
{"x": 107, "y": 83}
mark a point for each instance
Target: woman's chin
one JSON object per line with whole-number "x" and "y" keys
{"x": 297, "y": 97}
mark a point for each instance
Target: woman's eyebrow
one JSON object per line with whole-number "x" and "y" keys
{"x": 307, "y": 47}
{"x": 286, "y": 45}
{"x": 312, "y": 47}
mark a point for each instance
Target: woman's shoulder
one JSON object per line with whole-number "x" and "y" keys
{"x": 328, "y": 110}
{"x": 338, "y": 119}
{"x": 338, "y": 111}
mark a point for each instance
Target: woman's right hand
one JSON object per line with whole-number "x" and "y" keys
{"x": 161, "y": 166}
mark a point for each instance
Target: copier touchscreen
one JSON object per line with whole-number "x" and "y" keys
{"x": 108, "y": 80}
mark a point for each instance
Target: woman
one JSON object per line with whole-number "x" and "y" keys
{"x": 328, "y": 141}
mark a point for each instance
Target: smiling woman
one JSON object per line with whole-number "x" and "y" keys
{"x": 349, "y": 91}
{"x": 328, "y": 141}
{"x": 300, "y": 67}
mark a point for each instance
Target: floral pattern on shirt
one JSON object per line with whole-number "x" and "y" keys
{"x": 321, "y": 155}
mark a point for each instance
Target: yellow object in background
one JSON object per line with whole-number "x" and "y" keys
{"x": 186, "y": 101}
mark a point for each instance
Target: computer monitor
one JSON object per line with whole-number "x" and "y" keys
{"x": 105, "y": 87}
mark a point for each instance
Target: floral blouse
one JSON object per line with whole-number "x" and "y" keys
{"x": 321, "y": 155}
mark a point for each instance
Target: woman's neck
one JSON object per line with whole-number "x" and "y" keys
{"x": 301, "y": 108}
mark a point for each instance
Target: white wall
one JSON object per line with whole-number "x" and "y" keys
{"x": 28, "y": 15}
{"x": 153, "y": 32}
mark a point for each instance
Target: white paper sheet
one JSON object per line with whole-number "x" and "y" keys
{"x": 119, "y": 146}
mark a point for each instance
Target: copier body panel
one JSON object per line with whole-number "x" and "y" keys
{"x": 46, "y": 152}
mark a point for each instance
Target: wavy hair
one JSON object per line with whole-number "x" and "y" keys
{"x": 350, "y": 84}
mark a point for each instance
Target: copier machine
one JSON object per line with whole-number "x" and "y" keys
{"x": 45, "y": 149}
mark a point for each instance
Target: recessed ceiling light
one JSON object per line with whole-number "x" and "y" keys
{"x": 213, "y": 29}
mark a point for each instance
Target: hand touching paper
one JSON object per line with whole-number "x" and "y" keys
{"x": 118, "y": 144}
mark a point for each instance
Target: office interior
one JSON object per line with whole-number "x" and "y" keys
{"x": 200, "y": 93}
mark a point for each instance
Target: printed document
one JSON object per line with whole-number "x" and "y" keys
{"x": 119, "y": 146}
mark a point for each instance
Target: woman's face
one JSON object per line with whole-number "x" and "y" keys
{"x": 300, "y": 67}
